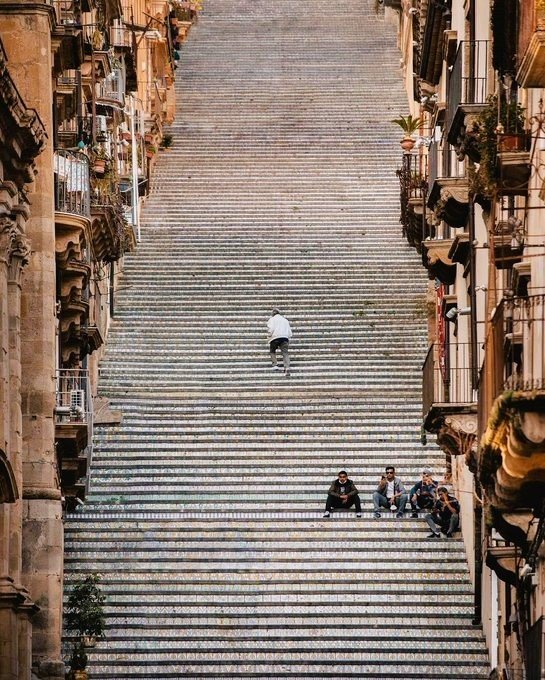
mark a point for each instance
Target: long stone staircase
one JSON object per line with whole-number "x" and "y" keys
{"x": 205, "y": 509}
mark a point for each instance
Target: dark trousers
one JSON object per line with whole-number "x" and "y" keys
{"x": 422, "y": 502}
{"x": 336, "y": 502}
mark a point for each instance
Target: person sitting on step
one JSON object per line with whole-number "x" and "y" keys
{"x": 342, "y": 494}
{"x": 390, "y": 493}
{"x": 445, "y": 515}
{"x": 424, "y": 493}
{"x": 279, "y": 338}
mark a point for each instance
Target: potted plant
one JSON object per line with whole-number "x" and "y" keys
{"x": 167, "y": 140}
{"x": 85, "y": 610}
{"x": 99, "y": 160}
{"x": 151, "y": 151}
{"x": 497, "y": 128}
{"x": 409, "y": 125}
{"x": 78, "y": 662}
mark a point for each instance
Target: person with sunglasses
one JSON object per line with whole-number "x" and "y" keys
{"x": 390, "y": 493}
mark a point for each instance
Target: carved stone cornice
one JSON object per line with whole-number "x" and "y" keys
{"x": 458, "y": 436}
{"x": 435, "y": 257}
{"x": 449, "y": 200}
{"x": 512, "y": 455}
{"x": 24, "y": 132}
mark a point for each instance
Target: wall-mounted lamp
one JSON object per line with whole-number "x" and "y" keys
{"x": 453, "y": 312}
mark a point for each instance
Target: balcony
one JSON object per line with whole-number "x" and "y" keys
{"x": 513, "y": 164}
{"x": 448, "y": 196}
{"x": 73, "y": 430}
{"x": 72, "y": 228}
{"x": 66, "y": 38}
{"x": 72, "y": 183}
{"x": 531, "y": 44}
{"x": 413, "y": 187}
{"x": 469, "y": 87}
{"x": 512, "y": 406}
{"x": 108, "y": 230}
{"x": 448, "y": 399}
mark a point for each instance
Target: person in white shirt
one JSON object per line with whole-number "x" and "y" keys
{"x": 390, "y": 493}
{"x": 279, "y": 338}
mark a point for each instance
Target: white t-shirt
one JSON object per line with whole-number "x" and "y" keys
{"x": 390, "y": 489}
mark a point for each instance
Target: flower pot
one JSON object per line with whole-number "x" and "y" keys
{"x": 99, "y": 166}
{"x": 126, "y": 136}
{"x": 512, "y": 142}
{"x": 149, "y": 155}
{"x": 80, "y": 675}
{"x": 407, "y": 143}
{"x": 148, "y": 138}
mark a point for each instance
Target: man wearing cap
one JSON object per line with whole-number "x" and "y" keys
{"x": 279, "y": 338}
{"x": 423, "y": 493}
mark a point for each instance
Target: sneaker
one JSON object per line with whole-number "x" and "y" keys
{"x": 414, "y": 515}
{"x": 287, "y": 374}
{"x": 326, "y": 514}
{"x": 433, "y": 535}
{"x": 400, "y": 514}
{"x": 377, "y": 514}
{"x": 358, "y": 514}
{"x": 276, "y": 367}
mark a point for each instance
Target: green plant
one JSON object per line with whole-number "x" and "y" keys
{"x": 78, "y": 659}
{"x": 408, "y": 124}
{"x": 167, "y": 140}
{"x": 85, "y": 607}
{"x": 505, "y": 117}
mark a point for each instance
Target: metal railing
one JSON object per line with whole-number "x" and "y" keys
{"x": 72, "y": 187}
{"x": 443, "y": 163}
{"x": 515, "y": 346}
{"x": 446, "y": 376}
{"x": 74, "y": 405}
{"x": 73, "y": 400}
{"x": 68, "y": 12}
{"x": 469, "y": 78}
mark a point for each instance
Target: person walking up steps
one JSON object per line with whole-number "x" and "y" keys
{"x": 279, "y": 338}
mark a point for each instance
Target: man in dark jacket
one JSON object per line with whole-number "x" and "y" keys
{"x": 445, "y": 515}
{"x": 424, "y": 493}
{"x": 342, "y": 494}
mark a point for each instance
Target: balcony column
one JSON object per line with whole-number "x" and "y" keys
{"x": 18, "y": 260}
{"x": 31, "y": 64}
{"x": 8, "y": 592}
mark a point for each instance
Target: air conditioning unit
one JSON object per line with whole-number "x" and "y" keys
{"x": 77, "y": 403}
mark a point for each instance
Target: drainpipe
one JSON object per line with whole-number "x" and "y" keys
{"x": 478, "y": 557}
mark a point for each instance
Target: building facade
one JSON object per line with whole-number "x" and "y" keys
{"x": 85, "y": 90}
{"x": 472, "y": 199}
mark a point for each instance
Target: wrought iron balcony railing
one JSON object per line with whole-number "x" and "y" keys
{"x": 68, "y": 12}
{"x": 515, "y": 347}
{"x": 73, "y": 402}
{"x": 72, "y": 187}
{"x": 470, "y": 77}
{"x": 446, "y": 376}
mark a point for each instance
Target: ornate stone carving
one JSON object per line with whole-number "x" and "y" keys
{"x": 458, "y": 437}
{"x": 512, "y": 459}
